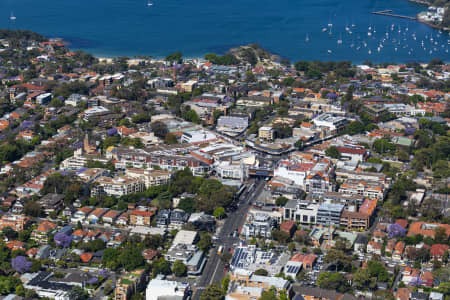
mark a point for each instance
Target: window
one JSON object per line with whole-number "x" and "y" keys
{"x": 312, "y": 219}
{"x": 286, "y": 213}
{"x": 305, "y": 218}
{"x": 317, "y": 185}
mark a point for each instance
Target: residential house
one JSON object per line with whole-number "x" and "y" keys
{"x": 111, "y": 216}
{"x": 41, "y": 233}
{"x": 398, "y": 251}
{"x": 96, "y": 215}
{"x": 437, "y": 251}
{"x": 315, "y": 293}
{"x": 81, "y": 214}
{"x": 374, "y": 248}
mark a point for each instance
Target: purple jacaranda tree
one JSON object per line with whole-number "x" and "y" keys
{"x": 395, "y": 230}
{"x": 332, "y": 96}
{"x": 62, "y": 240}
{"x": 410, "y": 130}
{"x": 20, "y": 264}
{"x": 416, "y": 281}
{"x": 93, "y": 280}
{"x": 112, "y": 131}
{"x": 27, "y": 124}
{"x": 103, "y": 272}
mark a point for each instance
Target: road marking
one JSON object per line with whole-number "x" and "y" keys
{"x": 214, "y": 273}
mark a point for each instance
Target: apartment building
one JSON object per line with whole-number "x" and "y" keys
{"x": 149, "y": 177}
{"x": 127, "y": 284}
{"x": 141, "y": 218}
{"x": 117, "y": 186}
{"x": 368, "y": 189}
{"x": 16, "y": 222}
{"x": 266, "y": 133}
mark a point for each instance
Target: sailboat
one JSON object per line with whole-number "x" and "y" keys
{"x": 339, "y": 41}
{"x": 12, "y": 17}
{"x": 307, "y": 38}
{"x": 149, "y": 3}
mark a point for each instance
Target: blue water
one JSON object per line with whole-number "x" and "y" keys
{"x": 130, "y": 27}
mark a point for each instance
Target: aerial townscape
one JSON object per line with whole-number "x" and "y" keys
{"x": 236, "y": 176}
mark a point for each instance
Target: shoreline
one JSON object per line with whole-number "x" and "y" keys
{"x": 162, "y": 58}
{"x": 422, "y": 2}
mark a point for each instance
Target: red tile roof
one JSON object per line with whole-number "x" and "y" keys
{"x": 86, "y": 257}
{"x": 46, "y": 226}
{"x": 287, "y": 226}
{"x": 351, "y": 150}
{"x": 402, "y": 222}
{"x": 149, "y": 254}
{"x": 426, "y": 229}
{"x": 438, "y": 250}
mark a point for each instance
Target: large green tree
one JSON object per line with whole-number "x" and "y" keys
{"x": 333, "y": 281}
{"x": 212, "y": 292}
{"x": 179, "y": 268}
{"x": 333, "y": 152}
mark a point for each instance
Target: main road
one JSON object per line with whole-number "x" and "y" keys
{"x": 214, "y": 269}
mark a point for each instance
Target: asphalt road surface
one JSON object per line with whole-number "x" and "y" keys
{"x": 214, "y": 269}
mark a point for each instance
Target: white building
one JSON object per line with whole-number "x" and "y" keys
{"x": 332, "y": 123}
{"x": 198, "y": 137}
{"x": 233, "y": 170}
{"x": 149, "y": 177}
{"x": 186, "y": 237}
{"x": 302, "y": 212}
{"x": 95, "y": 112}
{"x": 293, "y": 171}
{"x": 79, "y": 160}
{"x": 75, "y": 99}
{"x": 118, "y": 186}
{"x": 43, "y": 98}
{"x": 232, "y": 124}
{"x": 400, "y": 109}
{"x": 159, "y": 288}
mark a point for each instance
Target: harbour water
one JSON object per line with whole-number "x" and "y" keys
{"x": 297, "y": 29}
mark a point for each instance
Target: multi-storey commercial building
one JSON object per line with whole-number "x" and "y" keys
{"x": 329, "y": 214}
{"x": 301, "y": 211}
